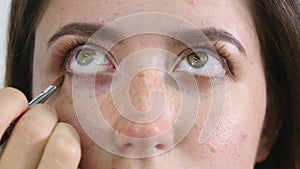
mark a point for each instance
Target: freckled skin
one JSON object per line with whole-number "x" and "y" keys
{"x": 234, "y": 142}
{"x": 192, "y": 2}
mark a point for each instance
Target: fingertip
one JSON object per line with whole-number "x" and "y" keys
{"x": 13, "y": 100}
{"x": 70, "y": 129}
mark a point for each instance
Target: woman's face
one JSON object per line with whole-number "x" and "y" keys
{"x": 228, "y": 90}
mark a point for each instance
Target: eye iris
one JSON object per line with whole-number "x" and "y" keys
{"x": 85, "y": 56}
{"x": 197, "y": 60}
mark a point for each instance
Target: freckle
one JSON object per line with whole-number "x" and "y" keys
{"x": 213, "y": 150}
{"x": 117, "y": 13}
{"x": 62, "y": 8}
{"x": 192, "y": 2}
{"x": 141, "y": 75}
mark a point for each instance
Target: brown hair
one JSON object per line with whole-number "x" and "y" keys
{"x": 277, "y": 25}
{"x": 23, "y": 19}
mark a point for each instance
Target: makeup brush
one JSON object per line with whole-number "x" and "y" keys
{"x": 41, "y": 98}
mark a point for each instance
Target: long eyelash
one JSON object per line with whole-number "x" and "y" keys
{"x": 230, "y": 64}
{"x": 67, "y": 47}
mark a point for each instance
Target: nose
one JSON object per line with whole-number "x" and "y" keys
{"x": 154, "y": 137}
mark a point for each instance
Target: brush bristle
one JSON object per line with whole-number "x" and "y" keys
{"x": 59, "y": 81}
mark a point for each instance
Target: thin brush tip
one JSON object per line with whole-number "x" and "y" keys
{"x": 59, "y": 81}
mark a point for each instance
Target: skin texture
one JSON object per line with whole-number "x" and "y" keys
{"x": 234, "y": 142}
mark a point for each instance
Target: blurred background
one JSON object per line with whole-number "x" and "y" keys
{"x": 4, "y": 9}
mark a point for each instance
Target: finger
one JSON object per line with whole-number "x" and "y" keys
{"x": 62, "y": 150}
{"x": 29, "y": 137}
{"x": 12, "y": 104}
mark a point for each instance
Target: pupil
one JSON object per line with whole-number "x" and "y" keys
{"x": 197, "y": 58}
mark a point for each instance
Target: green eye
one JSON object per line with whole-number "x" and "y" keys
{"x": 85, "y": 56}
{"x": 197, "y": 59}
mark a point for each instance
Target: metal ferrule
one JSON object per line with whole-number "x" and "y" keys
{"x": 43, "y": 96}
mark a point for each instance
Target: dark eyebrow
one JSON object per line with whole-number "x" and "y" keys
{"x": 214, "y": 34}
{"x": 88, "y": 30}
{"x": 76, "y": 29}
{"x": 84, "y": 30}
{"x": 211, "y": 34}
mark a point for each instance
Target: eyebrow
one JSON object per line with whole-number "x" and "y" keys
{"x": 213, "y": 34}
{"x": 79, "y": 29}
{"x": 88, "y": 30}
{"x": 85, "y": 30}
{"x": 209, "y": 34}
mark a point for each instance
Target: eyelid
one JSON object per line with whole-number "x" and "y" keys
{"x": 70, "y": 43}
{"x": 61, "y": 49}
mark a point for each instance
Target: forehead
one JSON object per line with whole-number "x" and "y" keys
{"x": 229, "y": 14}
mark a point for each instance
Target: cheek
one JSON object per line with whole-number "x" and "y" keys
{"x": 239, "y": 131}
{"x": 236, "y": 137}
{"x": 63, "y": 103}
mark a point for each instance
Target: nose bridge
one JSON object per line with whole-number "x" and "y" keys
{"x": 142, "y": 86}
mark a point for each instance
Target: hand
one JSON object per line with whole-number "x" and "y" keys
{"x": 38, "y": 140}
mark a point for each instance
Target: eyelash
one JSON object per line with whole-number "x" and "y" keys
{"x": 67, "y": 49}
{"x": 227, "y": 58}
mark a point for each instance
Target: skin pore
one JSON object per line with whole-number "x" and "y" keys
{"x": 232, "y": 145}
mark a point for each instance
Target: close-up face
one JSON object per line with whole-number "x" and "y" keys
{"x": 151, "y": 95}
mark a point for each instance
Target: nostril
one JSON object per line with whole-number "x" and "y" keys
{"x": 128, "y": 145}
{"x": 143, "y": 140}
{"x": 160, "y": 146}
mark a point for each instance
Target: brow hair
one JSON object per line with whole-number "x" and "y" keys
{"x": 87, "y": 30}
